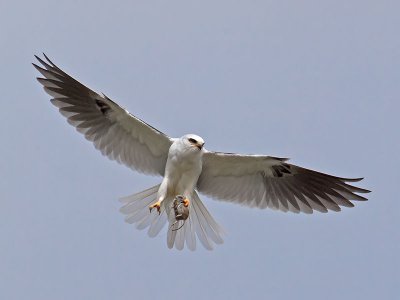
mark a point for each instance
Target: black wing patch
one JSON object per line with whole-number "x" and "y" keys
{"x": 103, "y": 107}
{"x": 281, "y": 170}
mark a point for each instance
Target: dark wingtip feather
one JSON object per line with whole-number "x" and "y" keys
{"x": 39, "y": 79}
{"x": 48, "y": 59}
{"x": 37, "y": 67}
{"x": 352, "y": 179}
{"x": 354, "y": 188}
{"x": 361, "y": 198}
{"x": 357, "y": 189}
{"x": 46, "y": 65}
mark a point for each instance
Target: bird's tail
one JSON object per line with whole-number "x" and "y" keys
{"x": 199, "y": 223}
{"x": 136, "y": 211}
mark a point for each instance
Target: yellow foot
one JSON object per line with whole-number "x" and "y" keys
{"x": 156, "y": 205}
{"x": 186, "y": 202}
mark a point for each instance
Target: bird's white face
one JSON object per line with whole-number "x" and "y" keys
{"x": 193, "y": 142}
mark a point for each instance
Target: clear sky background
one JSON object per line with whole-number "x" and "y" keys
{"x": 316, "y": 81}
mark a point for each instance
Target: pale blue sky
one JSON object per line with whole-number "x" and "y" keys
{"x": 317, "y": 81}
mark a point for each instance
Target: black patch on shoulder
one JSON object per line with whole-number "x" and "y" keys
{"x": 281, "y": 170}
{"x": 103, "y": 107}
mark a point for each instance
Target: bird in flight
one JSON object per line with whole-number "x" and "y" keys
{"x": 187, "y": 169}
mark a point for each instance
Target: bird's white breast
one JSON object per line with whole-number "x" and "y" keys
{"x": 182, "y": 171}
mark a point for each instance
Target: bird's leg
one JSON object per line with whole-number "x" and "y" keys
{"x": 156, "y": 205}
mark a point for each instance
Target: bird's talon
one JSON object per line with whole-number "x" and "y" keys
{"x": 156, "y": 205}
{"x": 186, "y": 202}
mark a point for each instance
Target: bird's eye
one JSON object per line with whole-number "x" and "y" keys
{"x": 193, "y": 141}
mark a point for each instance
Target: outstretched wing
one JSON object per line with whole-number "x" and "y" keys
{"x": 112, "y": 129}
{"x": 264, "y": 181}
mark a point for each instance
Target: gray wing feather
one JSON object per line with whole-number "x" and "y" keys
{"x": 113, "y": 130}
{"x": 265, "y": 181}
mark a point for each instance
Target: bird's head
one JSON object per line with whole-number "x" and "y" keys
{"x": 193, "y": 141}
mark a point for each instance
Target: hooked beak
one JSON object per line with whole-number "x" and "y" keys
{"x": 200, "y": 146}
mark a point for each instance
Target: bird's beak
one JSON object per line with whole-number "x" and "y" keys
{"x": 200, "y": 146}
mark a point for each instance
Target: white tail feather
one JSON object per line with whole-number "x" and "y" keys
{"x": 200, "y": 223}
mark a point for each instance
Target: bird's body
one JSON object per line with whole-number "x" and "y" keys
{"x": 183, "y": 168}
{"x": 187, "y": 168}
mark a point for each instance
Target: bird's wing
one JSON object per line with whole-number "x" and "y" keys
{"x": 112, "y": 129}
{"x": 265, "y": 181}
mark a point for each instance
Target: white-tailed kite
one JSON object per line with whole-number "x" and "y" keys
{"x": 188, "y": 168}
